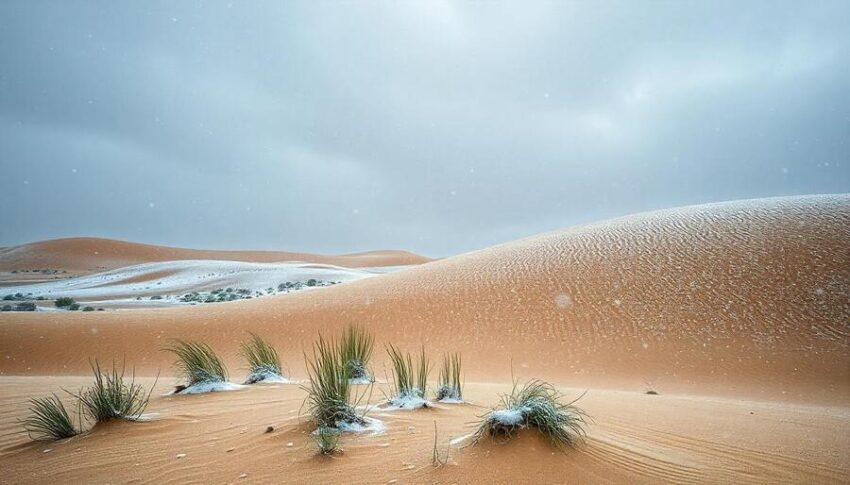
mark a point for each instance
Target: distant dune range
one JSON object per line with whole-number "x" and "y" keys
{"x": 745, "y": 298}
{"x": 737, "y": 314}
{"x": 95, "y": 254}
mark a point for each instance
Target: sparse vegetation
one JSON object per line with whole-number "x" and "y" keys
{"x": 74, "y": 307}
{"x": 64, "y": 302}
{"x": 451, "y": 384}
{"x": 197, "y": 363}
{"x": 88, "y": 309}
{"x": 326, "y": 439}
{"x": 26, "y": 306}
{"x": 329, "y": 395}
{"x": 409, "y": 382}
{"x": 536, "y": 404}
{"x": 49, "y": 420}
{"x": 263, "y": 361}
{"x": 111, "y": 397}
{"x": 436, "y": 458}
{"x": 6, "y": 308}
{"x": 356, "y": 348}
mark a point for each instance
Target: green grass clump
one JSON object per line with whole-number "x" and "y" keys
{"x": 356, "y": 346}
{"x": 49, "y": 420}
{"x": 111, "y": 397}
{"x": 64, "y": 302}
{"x": 409, "y": 381}
{"x": 326, "y": 440}
{"x": 451, "y": 385}
{"x": 197, "y": 363}
{"x": 330, "y": 399}
{"x": 536, "y": 404}
{"x": 263, "y": 361}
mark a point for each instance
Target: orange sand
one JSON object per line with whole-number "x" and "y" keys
{"x": 737, "y": 313}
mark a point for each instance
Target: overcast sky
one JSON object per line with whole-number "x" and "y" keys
{"x": 438, "y": 127}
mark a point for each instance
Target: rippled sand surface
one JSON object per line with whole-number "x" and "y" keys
{"x": 737, "y": 313}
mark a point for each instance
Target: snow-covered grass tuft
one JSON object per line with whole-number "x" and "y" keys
{"x": 198, "y": 364}
{"x": 111, "y": 397}
{"x": 409, "y": 382}
{"x": 356, "y": 346}
{"x": 330, "y": 399}
{"x": 263, "y": 361}
{"x": 536, "y": 404}
{"x": 451, "y": 382}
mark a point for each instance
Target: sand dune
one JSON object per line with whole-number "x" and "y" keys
{"x": 91, "y": 254}
{"x": 737, "y": 313}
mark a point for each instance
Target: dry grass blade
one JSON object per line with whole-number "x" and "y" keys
{"x": 49, "y": 420}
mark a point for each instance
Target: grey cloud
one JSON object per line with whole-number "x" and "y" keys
{"x": 438, "y": 127}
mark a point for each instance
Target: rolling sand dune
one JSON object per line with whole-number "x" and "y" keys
{"x": 94, "y": 254}
{"x": 737, "y": 313}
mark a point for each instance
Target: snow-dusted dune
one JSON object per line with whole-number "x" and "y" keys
{"x": 169, "y": 282}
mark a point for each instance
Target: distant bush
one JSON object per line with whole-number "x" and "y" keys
{"x": 64, "y": 301}
{"x": 19, "y": 295}
{"x": 74, "y": 307}
{"x": 26, "y": 306}
{"x": 6, "y": 308}
{"x": 100, "y": 309}
{"x": 39, "y": 298}
{"x": 156, "y": 297}
{"x": 8, "y": 297}
{"x": 311, "y": 282}
{"x": 88, "y": 309}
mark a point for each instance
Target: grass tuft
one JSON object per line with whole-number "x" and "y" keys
{"x": 356, "y": 346}
{"x": 330, "y": 399}
{"x": 326, "y": 440}
{"x": 451, "y": 384}
{"x": 49, "y": 420}
{"x": 112, "y": 398}
{"x": 409, "y": 381}
{"x": 197, "y": 363}
{"x": 536, "y": 404}
{"x": 263, "y": 361}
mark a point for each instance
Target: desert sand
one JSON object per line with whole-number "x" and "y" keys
{"x": 737, "y": 314}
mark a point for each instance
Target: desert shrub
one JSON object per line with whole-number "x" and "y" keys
{"x": 326, "y": 439}
{"x": 49, "y": 420}
{"x": 63, "y": 302}
{"x": 156, "y": 297}
{"x": 451, "y": 385}
{"x": 26, "y": 306}
{"x": 311, "y": 282}
{"x": 536, "y": 404}
{"x": 88, "y": 308}
{"x": 111, "y": 397}
{"x": 263, "y": 361}
{"x": 329, "y": 394}
{"x": 356, "y": 346}
{"x": 40, "y": 298}
{"x": 197, "y": 363}
{"x": 74, "y": 307}
{"x": 6, "y": 308}
{"x": 9, "y": 297}
{"x": 409, "y": 380}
